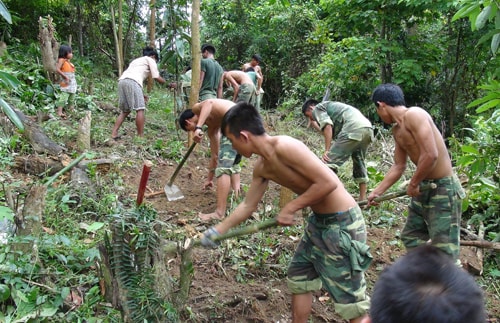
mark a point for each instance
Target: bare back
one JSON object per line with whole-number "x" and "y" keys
{"x": 237, "y": 77}
{"x": 214, "y": 109}
{"x": 419, "y": 137}
{"x": 290, "y": 163}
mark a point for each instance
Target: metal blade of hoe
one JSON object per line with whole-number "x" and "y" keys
{"x": 172, "y": 192}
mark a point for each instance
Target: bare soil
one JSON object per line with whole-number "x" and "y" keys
{"x": 216, "y": 295}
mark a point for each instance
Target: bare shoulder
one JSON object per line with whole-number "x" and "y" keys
{"x": 417, "y": 117}
{"x": 290, "y": 147}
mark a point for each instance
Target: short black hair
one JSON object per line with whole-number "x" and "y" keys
{"x": 185, "y": 115}
{"x": 390, "y": 94}
{"x": 242, "y": 116}
{"x": 257, "y": 57}
{"x": 210, "y": 48}
{"x": 426, "y": 285}
{"x": 307, "y": 104}
{"x": 64, "y": 50}
{"x": 150, "y": 51}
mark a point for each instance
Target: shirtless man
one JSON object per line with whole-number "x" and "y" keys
{"x": 254, "y": 63}
{"x": 335, "y": 230}
{"x": 224, "y": 160}
{"x": 433, "y": 214}
{"x": 244, "y": 89}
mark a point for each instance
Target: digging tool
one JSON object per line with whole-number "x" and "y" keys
{"x": 271, "y": 223}
{"x": 390, "y": 196}
{"x": 172, "y": 191}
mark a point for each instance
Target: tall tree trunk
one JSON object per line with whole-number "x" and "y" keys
{"x": 195, "y": 53}
{"x": 152, "y": 33}
{"x": 49, "y": 46}
{"x": 80, "y": 28}
{"x": 118, "y": 36}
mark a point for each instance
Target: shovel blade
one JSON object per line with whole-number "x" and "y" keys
{"x": 173, "y": 193}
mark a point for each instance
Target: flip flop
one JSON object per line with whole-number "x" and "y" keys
{"x": 117, "y": 137}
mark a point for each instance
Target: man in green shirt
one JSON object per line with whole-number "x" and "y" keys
{"x": 211, "y": 79}
{"x": 347, "y": 134}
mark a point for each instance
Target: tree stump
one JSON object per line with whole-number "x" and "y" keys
{"x": 83, "y": 138}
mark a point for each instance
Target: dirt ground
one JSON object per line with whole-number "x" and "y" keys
{"x": 216, "y": 295}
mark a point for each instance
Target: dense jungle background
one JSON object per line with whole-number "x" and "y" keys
{"x": 89, "y": 248}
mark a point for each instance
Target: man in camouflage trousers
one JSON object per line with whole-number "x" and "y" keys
{"x": 434, "y": 214}
{"x": 224, "y": 160}
{"x": 332, "y": 252}
{"x": 347, "y": 132}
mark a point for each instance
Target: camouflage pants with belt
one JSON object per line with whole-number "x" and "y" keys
{"x": 435, "y": 214}
{"x": 333, "y": 253}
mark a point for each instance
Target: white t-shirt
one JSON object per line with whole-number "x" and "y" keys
{"x": 140, "y": 68}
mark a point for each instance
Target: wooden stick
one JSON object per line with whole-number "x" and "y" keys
{"x": 65, "y": 169}
{"x": 390, "y": 196}
{"x": 481, "y": 244}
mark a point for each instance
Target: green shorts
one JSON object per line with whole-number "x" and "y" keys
{"x": 345, "y": 146}
{"x": 66, "y": 99}
{"x": 435, "y": 214}
{"x": 229, "y": 159}
{"x": 333, "y": 253}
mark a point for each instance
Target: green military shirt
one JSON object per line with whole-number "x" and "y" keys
{"x": 213, "y": 73}
{"x": 345, "y": 120}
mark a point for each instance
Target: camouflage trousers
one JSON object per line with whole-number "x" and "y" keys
{"x": 246, "y": 94}
{"x": 228, "y": 159}
{"x": 345, "y": 146}
{"x": 435, "y": 214}
{"x": 333, "y": 253}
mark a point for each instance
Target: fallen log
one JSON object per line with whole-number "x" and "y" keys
{"x": 37, "y": 138}
{"x": 37, "y": 165}
{"x": 481, "y": 244}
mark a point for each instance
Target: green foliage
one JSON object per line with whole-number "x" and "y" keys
{"x": 478, "y": 158}
{"x": 479, "y": 14}
{"x": 491, "y": 100}
{"x": 132, "y": 245}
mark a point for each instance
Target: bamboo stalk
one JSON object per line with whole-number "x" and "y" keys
{"x": 390, "y": 196}
{"x": 65, "y": 169}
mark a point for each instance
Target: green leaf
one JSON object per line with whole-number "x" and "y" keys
{"x": 9, "y": 80}
{"x": 470, "y": 150}
{"x": 12, "y": 115}
{"x": 6, "y": 213}
{"x": 4, "y": 292}
{"x": 95, "y": 226}
{"x": 65, "y": 292}
{"x": 5, "y": 13}
{"x": 465, "y": 11}
{"x": 483, "y": 17}
{"x": 488, "y": 105}
{"x": 494, "y": 44}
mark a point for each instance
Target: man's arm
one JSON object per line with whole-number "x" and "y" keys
{"x": 260, "y": 78}
{"x": 394, "y": 173}
{"x": 234, "y": 84}
{"x": 418, "y": 124}
{"x": 220, "y": 87}
{"x": 245, "y": 209}
{"x": 328, "y": 134}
